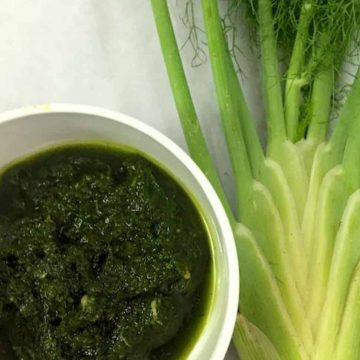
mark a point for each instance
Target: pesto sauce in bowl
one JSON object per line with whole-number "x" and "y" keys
{"x": 102, "y": 256}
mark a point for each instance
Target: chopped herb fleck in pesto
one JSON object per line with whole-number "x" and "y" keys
{"x": 102, "y": 256}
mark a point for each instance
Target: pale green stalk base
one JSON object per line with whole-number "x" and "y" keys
{"x": 333, "y": 191}
{"x": 348, "y": 344}
{"x": 273, "y": 177}
{"x": 324, "y": 160}
{"x": 307, "y": 149}
{"x": 271, "y": 239}
{"x": 346, "y": 256}
{"x": 253, "y": 341}
{"x": 292, "y": 163}
{"x": 271, "y": 315}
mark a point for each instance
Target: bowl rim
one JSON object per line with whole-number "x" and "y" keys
{"x": 225, "y": 334}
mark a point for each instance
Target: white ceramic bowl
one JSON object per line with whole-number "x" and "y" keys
{"x": 28, "y": 130}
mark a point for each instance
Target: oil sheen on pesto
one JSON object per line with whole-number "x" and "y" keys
{"x": 102, "y": 256}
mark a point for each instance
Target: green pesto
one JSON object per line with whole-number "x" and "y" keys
{"x": 103, "y": 256}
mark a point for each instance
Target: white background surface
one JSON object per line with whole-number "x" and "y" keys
{"x": 103, "y": 53}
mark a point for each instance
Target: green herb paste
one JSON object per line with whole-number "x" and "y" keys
{"x": 102, "y": 256}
